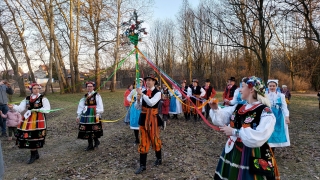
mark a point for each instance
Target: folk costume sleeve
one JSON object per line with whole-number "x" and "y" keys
{"x": 203, "y": 92}
{"x": 257, "y": 137}
{"x": 235, "y": 96}
{"x": 151, "y": 102}
{"x": 284, "y": 105}
{"x": 81, "y": 106}
{"x": 213, "y": 93}
{"x": 21, "y": 107}
{"x": 189, "y": 92}
{"x": 45, "y": 106}
{"x": 132, "y": 93}
{"x": 99, "y": 108}
{"x": 221, "y": 117}
{"x": 178, "y": 94}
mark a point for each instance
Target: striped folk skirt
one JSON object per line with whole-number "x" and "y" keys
{"x": 90, "y": 125}
{"x": 236, "y": 164}
{"x": 31, "y": 132}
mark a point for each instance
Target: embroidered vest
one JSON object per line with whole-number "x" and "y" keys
{"x": 208, "y": 91}
{"x": 90, "y": 100}
{"x": 232, "y": 89}
{"x": 196, "y": 91}
{"x": 249, "y": 119}
{"x": 144, "y": 104}
{"x": 36, "y": 104}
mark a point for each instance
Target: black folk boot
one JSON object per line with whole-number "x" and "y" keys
{"x": 143, "y": 162}
{"x": 32, "y": 157}
{"x": 96, "y": 142}
{"x": 37, "y": 154}
{"x": 90, "y": 145}
{"x": 159, "y": 159}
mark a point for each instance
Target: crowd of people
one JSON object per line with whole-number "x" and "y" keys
{"x": 254, "y": 116}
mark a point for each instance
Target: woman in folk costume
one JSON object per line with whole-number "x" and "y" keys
{"x": 31, "y": 132}
{"x": 247, "y": 155}
{"x": 186, "y": 103}
{"x": 89, "y": 113}
{"x": 280, "y": 136}
{"x": 134, "y": 112}
{"x": 175, "y": 104}
{"x": 237, "y": 97}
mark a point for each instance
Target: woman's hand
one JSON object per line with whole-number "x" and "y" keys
{"x": 287, "y": 120}
{"x": 213, "y": 103}
{"x": 227, "y": 130}
{"x": 78, "y": 120}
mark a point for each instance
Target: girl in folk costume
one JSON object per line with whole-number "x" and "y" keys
{"x": 280, "y": 136}
{"x": 237, "y": 97}
{"x": 126, "y": 104}
{"x": 31, "y": 132}
{"x": 165, "y": 109}
{"x": 186, "y": 105}
{"x": 247, "y": 155}
{"x": 134, "y": 112}
{"x": 89, "y": 113}
{"x": 175, "y": 104}
{"x": 196, "y": 93}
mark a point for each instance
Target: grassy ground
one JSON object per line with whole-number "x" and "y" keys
{"x": 190, "y": 149}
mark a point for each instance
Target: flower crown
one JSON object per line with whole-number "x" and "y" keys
{"x": 256, "y": 83}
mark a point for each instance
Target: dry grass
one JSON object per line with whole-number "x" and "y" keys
{"x": 190, "y": 149}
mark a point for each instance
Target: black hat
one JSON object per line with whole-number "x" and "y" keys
{"x": 207, "y": 80}
{"x": 195, "y": 80}
{"x": 183, "y": 81}
{"x": 232, "y": 79}
{"x": 151, "y": 76}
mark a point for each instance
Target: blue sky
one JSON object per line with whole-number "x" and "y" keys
{"x": 168, "y": 9}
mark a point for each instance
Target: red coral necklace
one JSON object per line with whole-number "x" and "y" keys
{"x": 243, "y": 109}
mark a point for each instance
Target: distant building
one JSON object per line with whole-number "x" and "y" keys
{"x": 41, "y": 72}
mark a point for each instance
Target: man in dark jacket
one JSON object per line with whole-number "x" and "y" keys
{"x": 5, "y": 89}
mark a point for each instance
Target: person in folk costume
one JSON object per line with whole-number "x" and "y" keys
{"x": 149, "y": 122}
{"x": 196, "y": 93}
{"x": 280, "y": 136}
{"x": 246, "y": 155}
{"x": 186, "y": 103}
{"x": 175, "y": 104}
{"x": 286, "y": 93}
{"x": 165, "y": 109}
{"x": 31, "y": 132}
{"x": 229, "y": 91}
{"x": 210, "y": 93}
{"x": 134, "y": 112}
{"x": 89, "y": 113}
{"x": 126, "y": 104}
{"x": 237, "y": 97}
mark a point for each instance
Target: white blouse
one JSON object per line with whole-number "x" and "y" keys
{"x": 273, "y": 97}
{"x": 250, "y": 137}
{"x": 235, "y": 97}
{"x": 23, "y": 105}
{"x": 189, "y": 92}
{"x": 99, "y": 106}
{"x": 150, "y": 101}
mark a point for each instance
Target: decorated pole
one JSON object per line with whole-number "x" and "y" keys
{"x": 133, "y": 32}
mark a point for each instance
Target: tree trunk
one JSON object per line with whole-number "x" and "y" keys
{"x": 116, "y": 51}
{"x": 48, "y": 85}
{"x": 71, "y": 48}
